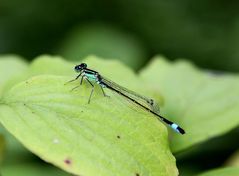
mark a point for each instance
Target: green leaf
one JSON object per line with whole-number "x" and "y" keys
{"x": 26, "y": 169}
{"x": 205, "y": 104}
{"x": 44, "y": 64}
{"x": 10, "y": 66}
{"x": 55, "y": 65}
{"x": 14, "y": 151}
{"x": 230, "y": 171}
{"x": 106, "y": 137}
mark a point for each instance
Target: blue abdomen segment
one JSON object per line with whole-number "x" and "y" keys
{"x": 177, "y": 128}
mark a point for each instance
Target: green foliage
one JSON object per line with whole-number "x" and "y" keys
{"x": 110, "y": 136}
{"x": 230, "y": 171}
{"x": 205, "y": 103}
{"x": 10, "y": 66}
{"x": 206, "y": 32}
{"x": 104, "y": 41}
{"x": 89, "y": 139}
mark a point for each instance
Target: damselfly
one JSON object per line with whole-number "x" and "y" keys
{"x": 147, "y": 104}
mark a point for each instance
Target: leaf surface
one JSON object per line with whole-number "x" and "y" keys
{"x": 26, "y": 169}
{"x": 205, "y": 104}
{"x": 106, "y": 137}
{"x": 10, "y": 66}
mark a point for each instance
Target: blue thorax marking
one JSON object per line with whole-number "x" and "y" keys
{"x": 90, "y": 76}
{"x": 93, "y": 76}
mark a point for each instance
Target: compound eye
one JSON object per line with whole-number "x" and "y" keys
{"x": 83, "y": 65}
{"x": 78, "y": 68}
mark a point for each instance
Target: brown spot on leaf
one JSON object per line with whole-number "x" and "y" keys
{"x": 67, "y": 161}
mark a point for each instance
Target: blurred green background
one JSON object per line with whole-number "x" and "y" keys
{"x": 206, "y": 31}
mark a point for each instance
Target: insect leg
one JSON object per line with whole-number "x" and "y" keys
{"x": 92, "y": 90}
{"x": 73, "y": 79}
